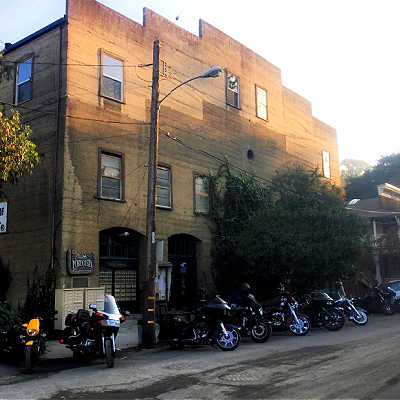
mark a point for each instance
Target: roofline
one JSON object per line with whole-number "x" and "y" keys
{"x": 35, "y": 35}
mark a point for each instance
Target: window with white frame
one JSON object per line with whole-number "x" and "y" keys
{"x": 163, "y": 187}
{"x": 232, "y": 90}
{"x": 326, "y": 169}
{"x": 112, "y": 80}
{"x": 23, "y": 90}
{"x": 262, "y": 103}
{"x": 111, "y": 173}
{"x": 201, "y": 195}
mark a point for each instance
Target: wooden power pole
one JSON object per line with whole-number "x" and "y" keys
{"x": 149, "y": 316}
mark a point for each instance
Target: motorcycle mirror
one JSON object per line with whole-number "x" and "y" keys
{"x": 93, "y": 306}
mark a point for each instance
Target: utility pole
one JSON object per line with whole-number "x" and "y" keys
{"x": 148, "y": 336}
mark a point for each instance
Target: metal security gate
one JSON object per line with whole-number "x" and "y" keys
{"x": 119, "y": 265}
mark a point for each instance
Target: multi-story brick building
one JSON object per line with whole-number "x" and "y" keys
{"x": 84, "y": 85}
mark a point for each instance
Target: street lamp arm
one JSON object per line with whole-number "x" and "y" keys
{"x": 213, "y": 72}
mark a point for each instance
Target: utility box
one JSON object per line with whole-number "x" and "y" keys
{"x": 71, "y": 300}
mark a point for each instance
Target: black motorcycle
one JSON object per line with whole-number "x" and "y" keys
{"x": 91, "y": 334}
{"x": 321, "y": 310}
{"x": 283, "y": 312}
{"x": 206, "y": 325}
{"x": 249, "y": 319}
{"x": 354, "y": 313}
{"x": 382, "y": 299}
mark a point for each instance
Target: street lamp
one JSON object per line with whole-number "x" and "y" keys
{"x": 148, "y": 332}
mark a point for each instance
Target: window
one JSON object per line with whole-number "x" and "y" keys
{"x": 261, "y": 102}
{"x": 201, "y": 197}
{"x": 325, "y": 165}
{"x": 111, "y": 172}
{"x": 163, "y": 187}
{"x": 232, "y": 90}
{"x": 23, "y": 90}
{"x": 112, "y": 82}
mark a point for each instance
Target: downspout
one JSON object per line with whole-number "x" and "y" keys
{"x": 56, "y": 157}
{"x": 376, "y": 254}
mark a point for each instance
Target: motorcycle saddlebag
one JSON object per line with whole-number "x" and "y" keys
{"x": 83, "y": 315}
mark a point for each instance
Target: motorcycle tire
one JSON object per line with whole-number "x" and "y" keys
{"x": 362, "y": 320}
{"x": 335, "y": 321}
{"x": 261, "y": 332}
{"x": 230, "y": 341}
{"x": 300, "y": 329}
{"x": 388, "y": 309}
{"x": 109, "y": 353}
{"x": 28, "y": 358}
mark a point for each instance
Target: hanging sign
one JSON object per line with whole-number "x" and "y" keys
{"x": 3, "y": 217}
{"x": 79, "y": 263}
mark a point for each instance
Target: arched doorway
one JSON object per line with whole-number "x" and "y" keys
{"x": 182, "y": 255}
{"x": 119, "y": 265}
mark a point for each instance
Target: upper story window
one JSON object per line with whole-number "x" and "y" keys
{"x": 23, "y": 90}
{"x": 201, "y": 195}
{"x": 111, "y": 175}
{"x": 232, "y": 90}
{"x": 326, "y": 169}
{"x": 163, "y": 187}
{"x": 112, "y": 78}
{"x": 261, "y": 103}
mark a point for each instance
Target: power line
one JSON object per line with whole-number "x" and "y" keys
{"x": 74, "y": 116}
{"x": 78, "y": 64}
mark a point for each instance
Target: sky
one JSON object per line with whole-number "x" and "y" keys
{"x": 342, "y": 55}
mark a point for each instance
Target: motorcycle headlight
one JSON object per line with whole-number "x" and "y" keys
{"x": 329, "y": 303}
{"x": 260, "y": 310}
{"x": 32, "y": 332}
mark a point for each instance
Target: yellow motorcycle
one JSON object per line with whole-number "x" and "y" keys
{"x": 33, "y": 340}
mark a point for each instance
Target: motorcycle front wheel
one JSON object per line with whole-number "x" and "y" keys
{"x": 360, "y": 319}
{"x": 261, "y": 332}
{"x": 28, "y": 358}
{"x": 230, "y": 341}
{"x": 301, "y": 328}
{"x": 109, "y": 353}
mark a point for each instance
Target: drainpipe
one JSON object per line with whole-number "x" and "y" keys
{"x": 56, "y": 161}
{"x": 376, "y": 254}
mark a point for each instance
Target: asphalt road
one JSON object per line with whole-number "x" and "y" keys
{"x": 356, "y": 362}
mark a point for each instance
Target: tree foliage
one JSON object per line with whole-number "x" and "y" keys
{"x": 294, "y": 230}
{"x": 351, "y": 168}
{"x": 387, "y": 170}
{"x": 18, "y": 154}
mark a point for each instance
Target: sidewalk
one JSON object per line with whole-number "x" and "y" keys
{"x": 128, "y": 336}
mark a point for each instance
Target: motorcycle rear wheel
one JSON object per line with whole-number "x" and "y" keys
{"x": 300, "y": 329}
{"x": 230, "y": 341}
{"x": 261, "y": 332}
{"x": 28, "y": 358}
{"x": 388, "y": 309}
{"x": 335, "y": 321}
{"x": 109, "y": 353}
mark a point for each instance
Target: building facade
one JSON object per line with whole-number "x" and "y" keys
{"x": 83, "y": 83}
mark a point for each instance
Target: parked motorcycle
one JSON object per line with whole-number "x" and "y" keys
{"x": 91, "y": 334}
{"x": 321, "y": 310}
{"x": 355, "y": 314}
{"x": 249, "y": 319}
{"x": 206, "y": 326}
{"x": 283, "y": 312}
{"x": 27, "y": 341}
{"x": 382, "y": 299}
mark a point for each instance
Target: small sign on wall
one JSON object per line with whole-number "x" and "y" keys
{"x": 3, "y": 217}
{"x": 80, "y": 263}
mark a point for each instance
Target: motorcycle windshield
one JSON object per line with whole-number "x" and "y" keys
{"x": 320, "y": 296}
{"x": 111, "y": 307}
